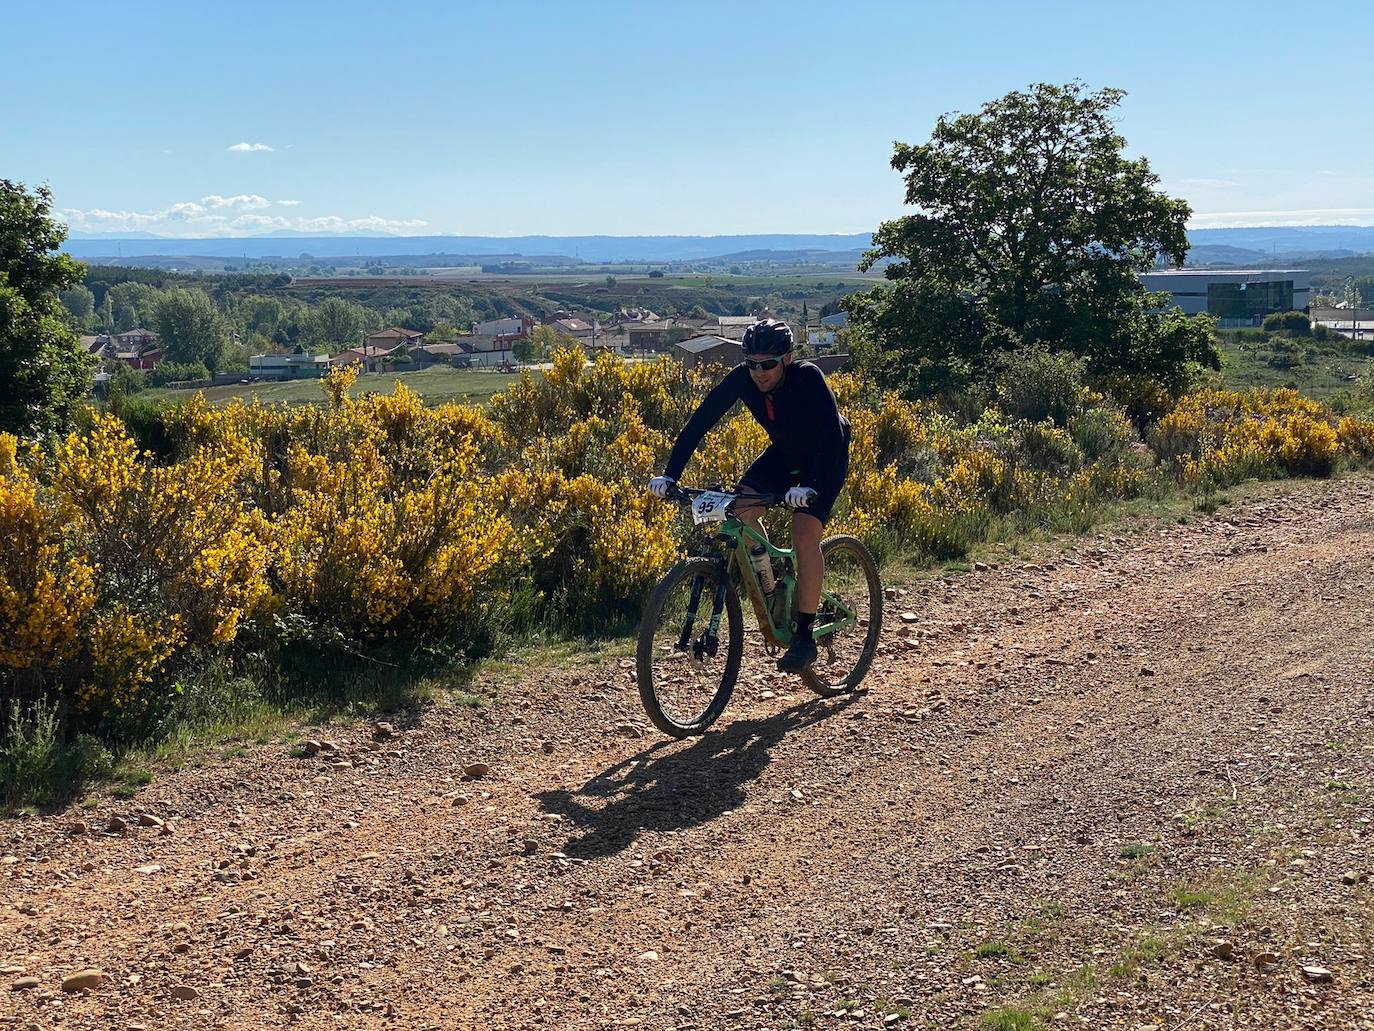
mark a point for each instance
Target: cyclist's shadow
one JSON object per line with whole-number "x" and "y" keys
{"x": 677, "y": 789}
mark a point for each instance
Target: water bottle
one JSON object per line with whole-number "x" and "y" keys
{"x": 763, "y": 566}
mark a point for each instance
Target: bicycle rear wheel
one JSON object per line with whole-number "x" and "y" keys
{"x": 851, "y": 590}
{"x": 685, "y": 672}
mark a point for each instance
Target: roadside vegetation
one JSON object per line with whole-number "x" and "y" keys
{"x": 177, "y": 569}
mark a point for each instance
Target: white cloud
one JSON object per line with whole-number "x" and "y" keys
{"x": 244, "y": 201}
{"x": 249, "y": 148}
{"x": 1298, "y": 217}
{"x": 242, "y": 214}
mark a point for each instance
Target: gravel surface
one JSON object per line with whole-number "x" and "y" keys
{"x": 1125, "y": 786}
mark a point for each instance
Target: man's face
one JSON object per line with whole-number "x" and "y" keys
{"x": 767, "y": 379}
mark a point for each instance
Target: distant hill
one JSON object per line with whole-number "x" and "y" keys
{"x": 1239, "y": 246}
{"x": 1263, "y": 244}
{"x": 586, "y": 248}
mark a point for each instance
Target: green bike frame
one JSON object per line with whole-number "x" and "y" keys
{"x": 737, "y": 537}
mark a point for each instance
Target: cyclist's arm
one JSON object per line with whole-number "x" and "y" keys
{"x": 827, "y": 431}
{"x": 713, "y": 407}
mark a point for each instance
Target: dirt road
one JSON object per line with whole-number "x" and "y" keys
{"x": 1126, "y": 787}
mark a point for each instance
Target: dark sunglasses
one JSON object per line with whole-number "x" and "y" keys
{"x": 766, "y": 365}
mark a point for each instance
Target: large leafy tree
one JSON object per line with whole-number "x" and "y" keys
{"x": 44, "y": 373}
{"x": 338, "y": 324}
{"x": 1031, "y": 227}
{"x": 190, "y": 328}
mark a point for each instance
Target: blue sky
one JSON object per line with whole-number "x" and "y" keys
{"x": 648, "y": 118}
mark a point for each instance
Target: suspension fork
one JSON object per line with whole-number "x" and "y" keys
{"x": 717, "y": 608}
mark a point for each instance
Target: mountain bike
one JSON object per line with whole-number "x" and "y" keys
{"x": 691, "y": 637}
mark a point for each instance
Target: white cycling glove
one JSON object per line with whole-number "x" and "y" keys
{"x": 659, "y": 486}
{"x": 799, "y": 497}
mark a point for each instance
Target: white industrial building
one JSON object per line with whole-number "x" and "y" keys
{"x": 1237, "y": 297}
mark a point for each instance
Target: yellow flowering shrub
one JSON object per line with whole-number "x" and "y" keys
{"x": 376, "y": 519}
{"x": 1219, "y": 437}
{"x": 46, "y": 587}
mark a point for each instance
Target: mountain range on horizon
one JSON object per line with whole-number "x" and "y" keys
{"x": 1228, "y": 246}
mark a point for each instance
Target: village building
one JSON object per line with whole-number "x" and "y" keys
{"x": 709, "y": 349}
{"x": 389, "y": 339}
{"x": 297, "y": 364}
{"x": 825, "y": 336}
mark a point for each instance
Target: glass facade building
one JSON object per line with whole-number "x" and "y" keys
{"x": 1236, "y": 297}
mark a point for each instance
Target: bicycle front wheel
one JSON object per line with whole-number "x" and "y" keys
{"x": 851, "y": 603}
{"x": 686, "y": 669}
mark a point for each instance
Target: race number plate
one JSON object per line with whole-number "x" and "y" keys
{"x": 710, "y": 507}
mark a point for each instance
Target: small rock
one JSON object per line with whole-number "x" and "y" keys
{"x": 1351, "y": 877}
{"x": 980, "y": 567}
{"x": 24, "y": 984}
{"x": 79, "y": 827}
{"x": 84, "y": 980}
{"x": 461, "y": 800}
{"x": 148, "y": 820}
{"x": 185, "y": 993}
{"x": 547, "y": 747}
{"x": 383, "y": 731}
{"x": 910, "y": 617}
{"x": 1316, "y": 974}
{"x": 648, "y": 957}
{"x": 148, "y": 869}
{"x": 475, "y": 771}
{"x": 1224, "y": 950}
{"x": 312, "y": 748}
{"x": 1146, "y": 671}
{"x": 116, "y": 825}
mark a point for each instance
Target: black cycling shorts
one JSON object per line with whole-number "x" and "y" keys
{"x": 773, "y": 473}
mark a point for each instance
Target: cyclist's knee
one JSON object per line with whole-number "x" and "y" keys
{"x": 806, "y": 529}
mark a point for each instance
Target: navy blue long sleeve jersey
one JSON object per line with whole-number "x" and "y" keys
{"x": 800, "y": 417}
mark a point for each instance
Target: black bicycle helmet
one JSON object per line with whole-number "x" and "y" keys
{"x": 767, "y": 336}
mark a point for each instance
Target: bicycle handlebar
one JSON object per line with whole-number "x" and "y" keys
{"x": 684, "y": 496}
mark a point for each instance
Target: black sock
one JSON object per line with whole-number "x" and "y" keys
{"x": 804, "y": 621}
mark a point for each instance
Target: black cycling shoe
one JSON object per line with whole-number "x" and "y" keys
{"x": 800, "y": 654}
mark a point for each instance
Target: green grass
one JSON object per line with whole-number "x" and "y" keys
{"x": 436, "y": 385}
{"x": 998, "y": 950}
{"x": 1320, "y": 369}
{"x": 1191, "y": 898}
{"x": 1139, "y": 850}
{"x": 1009, "y": 1019}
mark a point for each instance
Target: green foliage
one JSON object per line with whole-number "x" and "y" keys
{"x": 1035, "y": 383}
{"x": 125, "y": 380}
{"x": 338, "y": 324}
{"x": 1033, "y": 227}
{"x": 176, "y": 372}
{"x": 37, "y": 765}
{"x": 190, "y": 328}
{"x": 134, "y": 305}
{"x": 1293, "y": 323}
{"x": 80, "y": 305}
{"x": 44, "y": 372}
{"x": 1102, "y": 434}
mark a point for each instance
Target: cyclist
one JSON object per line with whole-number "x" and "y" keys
{"x": 806, "y": 460}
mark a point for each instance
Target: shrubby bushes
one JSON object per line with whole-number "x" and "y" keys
{"x": 146, "y": 548}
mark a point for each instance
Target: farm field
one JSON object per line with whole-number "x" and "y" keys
{"x": 436, "y": 386}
